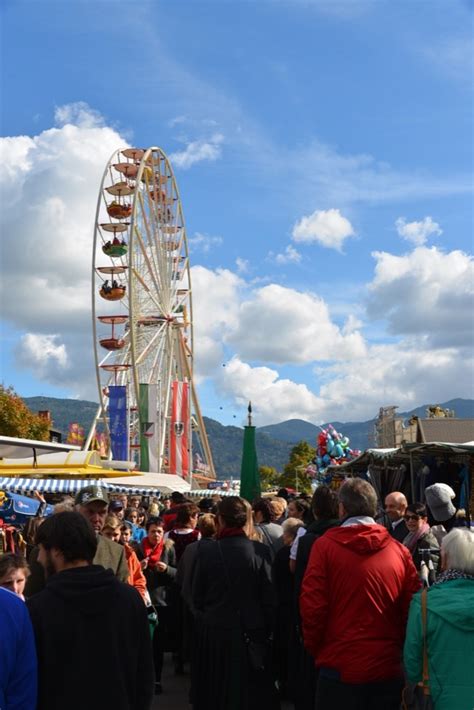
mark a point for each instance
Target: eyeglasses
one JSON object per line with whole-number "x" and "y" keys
{"x": 412, "y": 517}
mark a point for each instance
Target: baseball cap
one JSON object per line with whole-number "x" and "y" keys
{"x": 90, "y": 494}
{"x": 115, "y": 505}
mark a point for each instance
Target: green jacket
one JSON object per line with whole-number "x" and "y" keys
{"x": 450, "y": 640}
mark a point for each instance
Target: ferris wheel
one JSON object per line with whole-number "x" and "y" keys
{"x": 143, "y": 319}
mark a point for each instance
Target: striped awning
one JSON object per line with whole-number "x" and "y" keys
{"x": 208, "y": 493}
{"x": 69, "y": 486}
{"x": 72, "y": 486}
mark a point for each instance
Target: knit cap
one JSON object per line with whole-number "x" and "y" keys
{"x": 439, "y": 497}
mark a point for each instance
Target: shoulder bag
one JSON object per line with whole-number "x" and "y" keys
{"x": 418, "y": 697}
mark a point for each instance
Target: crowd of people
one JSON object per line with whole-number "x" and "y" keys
{"x": 320, "y": 603}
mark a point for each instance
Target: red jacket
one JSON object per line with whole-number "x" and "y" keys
{"x": 354, "y": 602}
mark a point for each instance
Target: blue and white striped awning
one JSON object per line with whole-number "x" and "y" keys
{"x": 69, "y": 486}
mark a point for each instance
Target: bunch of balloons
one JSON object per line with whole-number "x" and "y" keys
{"x": 332, "y": 450}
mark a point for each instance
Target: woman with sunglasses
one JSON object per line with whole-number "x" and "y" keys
{"x": 420, "y": 540}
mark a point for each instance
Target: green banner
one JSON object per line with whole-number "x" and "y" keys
{"x": 250, "y": 487}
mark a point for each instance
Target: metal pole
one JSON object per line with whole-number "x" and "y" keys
{"x": 412, "y": 479}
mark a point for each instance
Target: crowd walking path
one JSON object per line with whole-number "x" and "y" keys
{"x": 176, "y": 690}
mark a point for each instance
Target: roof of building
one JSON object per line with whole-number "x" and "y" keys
{"x": 456, "y": 431}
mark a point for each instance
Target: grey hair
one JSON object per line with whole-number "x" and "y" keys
{"x": 291, "y": 525}
{"x": 358, "y": 497}
{"x": 458, "y": 549}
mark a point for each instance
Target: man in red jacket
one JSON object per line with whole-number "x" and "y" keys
{"x": 354, "y": 606}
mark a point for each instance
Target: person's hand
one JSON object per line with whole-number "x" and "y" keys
{"x": 39, "y": 496}
{"x": 161, "y": 567}
{"x": 144, "y": 563}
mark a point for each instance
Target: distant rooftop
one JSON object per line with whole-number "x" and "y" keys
{"x": 456, "y": 431}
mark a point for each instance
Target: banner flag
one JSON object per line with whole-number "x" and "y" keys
{"x": 118, "y": 423}
{"x": 179, "y": 430}
{"x": 149, "y": 434}
{"x": 250, "y": 487}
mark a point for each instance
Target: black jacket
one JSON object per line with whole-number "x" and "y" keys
{"x": 399, "y": 532}
{"x": 238, "y": 580}
{"x": 93, "y": 643}
{"x": 232, "y": 593}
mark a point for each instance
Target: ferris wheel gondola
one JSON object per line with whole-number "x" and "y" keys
{"x": 141, "y": 270}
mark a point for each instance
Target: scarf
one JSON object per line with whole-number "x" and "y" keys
{"x": 450, "y": 574}
{"x": 412, "y": 538}
{"x": 230, "y": 532}
{"x": 153, "y": 554}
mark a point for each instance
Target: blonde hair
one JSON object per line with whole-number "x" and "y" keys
{"x": 112, "y": 522}
{"x": 153, "y": 510}
{"x": 279, "y": 506}
{"x": 249, "y": 527}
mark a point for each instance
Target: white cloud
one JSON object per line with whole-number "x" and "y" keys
{"x": 417, "y": 232}
{"x": 428, "y": 293}
{"x": 49, "y": 186}
{"x": 282, "y": 325}
{"x": 197, "y": 151}
{"x": 273, "y": 399}
{"x": 215, "y": 309}
{"x": 42, "y": 353}
{"x": 242, "y": 265}
{"x": 327, "y": 227}
{"x": 204, "y": 242}
{"x": 78, "y": 114}
{"x": 402, "y": 374}
{"x": 289, "y": 256}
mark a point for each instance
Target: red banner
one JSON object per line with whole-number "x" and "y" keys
{"x": 179, "y": 431}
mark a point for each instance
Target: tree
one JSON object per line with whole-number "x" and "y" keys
{"x": 17, "y": 420}
{"x": 294, "y": 473}
{"x": 269, "y": 477}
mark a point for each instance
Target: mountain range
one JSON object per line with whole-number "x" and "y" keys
{"x": 274, "y": 442}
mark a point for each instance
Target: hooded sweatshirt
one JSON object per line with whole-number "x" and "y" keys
{"x": 450, "y": 641}
{"x": 93, "y": 642}
{"x": 354, "y": 602}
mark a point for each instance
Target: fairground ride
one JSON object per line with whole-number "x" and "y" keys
{"x": 142, "y": 319}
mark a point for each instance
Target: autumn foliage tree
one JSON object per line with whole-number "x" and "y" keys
{"x": 269, "y": 477}
{"x": 294, "y": 473}
{"x": 17, "y": 420}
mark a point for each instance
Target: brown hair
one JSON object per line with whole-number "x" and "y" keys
{"x": 207, "y": 525}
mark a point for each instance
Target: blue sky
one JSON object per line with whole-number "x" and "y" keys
{"x": 323, "y": 152}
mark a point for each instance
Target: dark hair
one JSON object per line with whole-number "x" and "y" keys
{"x": 325, "y": 504}
{"x": 205, "y": 505}
{"x": 264, "y": 506}
{"x": 154, "y": 520}
{"x": 302, "y": 505}
{"x": 128, "y": 511}
{"x": 283, "y": 493}
{"x": 417, "y": 509}
{"x": 358, "y": 497}
{"x": 30, "y": 529}
{"x": 12, "y": 560}
{"x": 177, "y": 497}
{"x": 233, "y": 512}
{"x": 70, "y": 533}
{"x": 185, "y": 513}
{"x": 142, "y": 512}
